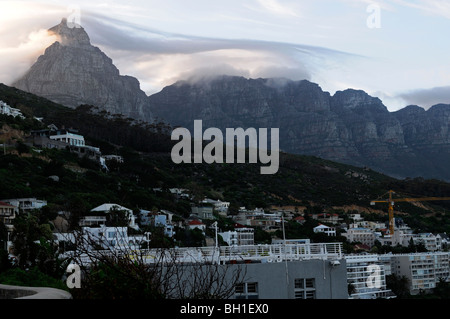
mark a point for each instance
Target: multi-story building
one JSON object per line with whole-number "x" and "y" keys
{"x": 366, "y": 275}
{"x": 203, "y": 212}
{"x": 423, "y": 270}
{"x": 240, "y": 236}
{"x": 362, "y": 235}
{"x": 430, "y": 241}
{"x": 7, "y": 215}
{"x": 294, "y": 271}
{"x": 329, "y": 231}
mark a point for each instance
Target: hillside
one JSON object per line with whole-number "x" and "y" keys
{"x": 301, "y": 180}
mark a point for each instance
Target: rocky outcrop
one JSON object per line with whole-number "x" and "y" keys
{"x": 350, "y": 126}
{"x": 73, "y": 72}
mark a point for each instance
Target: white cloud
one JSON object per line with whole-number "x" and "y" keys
{"x": 276, "y": 7}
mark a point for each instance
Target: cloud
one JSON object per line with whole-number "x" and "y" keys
{"x": 159, "y": 58}
{"x": 275, "y": 7}
{"x": 427, "y": 97}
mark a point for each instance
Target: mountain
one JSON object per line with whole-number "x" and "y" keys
{"x": 350, "y": 126}
{"x": 73, "y": 72}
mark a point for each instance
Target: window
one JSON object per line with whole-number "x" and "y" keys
{"x": 247, "y": 290}
{"x": 305, "y": 288}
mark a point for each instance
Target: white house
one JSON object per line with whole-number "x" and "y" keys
{"x": 25, "y": 204}
{"x": 8, "y": 110}
{"x": 330, "y": 231}
{"x": 240, "y": 236}
{"x": 195, "y": 223}
{"x": 114, "y": 237}
{"x": 105, "y": 237}
{"x": 219, "y": 206}
{"x": 69, "y": 138}
{"x": 106, "y": 209}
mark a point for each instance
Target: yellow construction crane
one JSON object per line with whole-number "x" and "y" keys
{"x": 391, "y": 200}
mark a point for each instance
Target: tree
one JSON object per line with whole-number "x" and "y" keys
{"x": 27, "y": 232}
{"x": 442, "y": 289}
{"x": 22, "y": 148}
{"x": 117, "y": 218}
{"x": 398, "y": 285}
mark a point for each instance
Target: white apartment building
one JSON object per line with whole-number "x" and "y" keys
{"x": 367, "y": 275}
{"x": 423, "y": 270}
{"x": 430, "y": 241}
{"x": 362, "y": 235}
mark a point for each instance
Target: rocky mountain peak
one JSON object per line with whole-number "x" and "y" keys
{"x": 70, "y": 34}
{"x": 73, "y": 72}
{"x": 351, "y": 99}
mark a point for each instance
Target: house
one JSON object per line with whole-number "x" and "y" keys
{"x": 219, "y": 206}
{"x": 8, "y": 110}
{"x": 26, "y": 204}
{"x": 7, "y": 214}
{"x": 180, "y": 193}
{"x": 239, "y": 237}
{"x": 108, "y": 207}
{"x": 329, "y": 231}
{"x": 329, "y": 218}
{"x": 300, "y": 219}
{"x": 202, "y": 212}
{"x": 104, "y": 237}
{"x": 196, "y": 224}
{"x": 115, "y": 237}
{"x": 111, "y": 157}
{"x": 52, "y": 137}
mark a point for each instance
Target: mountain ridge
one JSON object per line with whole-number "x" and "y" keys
{"x": 350, "y": 126}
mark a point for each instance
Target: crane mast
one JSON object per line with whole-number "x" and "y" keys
{"x": 391, "y": 201}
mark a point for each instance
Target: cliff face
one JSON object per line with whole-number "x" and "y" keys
{"x": 350, "y": 126}
{"x": 73, "y": 72}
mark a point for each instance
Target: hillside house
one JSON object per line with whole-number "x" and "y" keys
{"x": 26, "y": 204}
{"x": 329, "y": 231}
{"x": 10, "y": 111}
{"x": 196, "y": 224}
{"x": 108, "y": 207}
